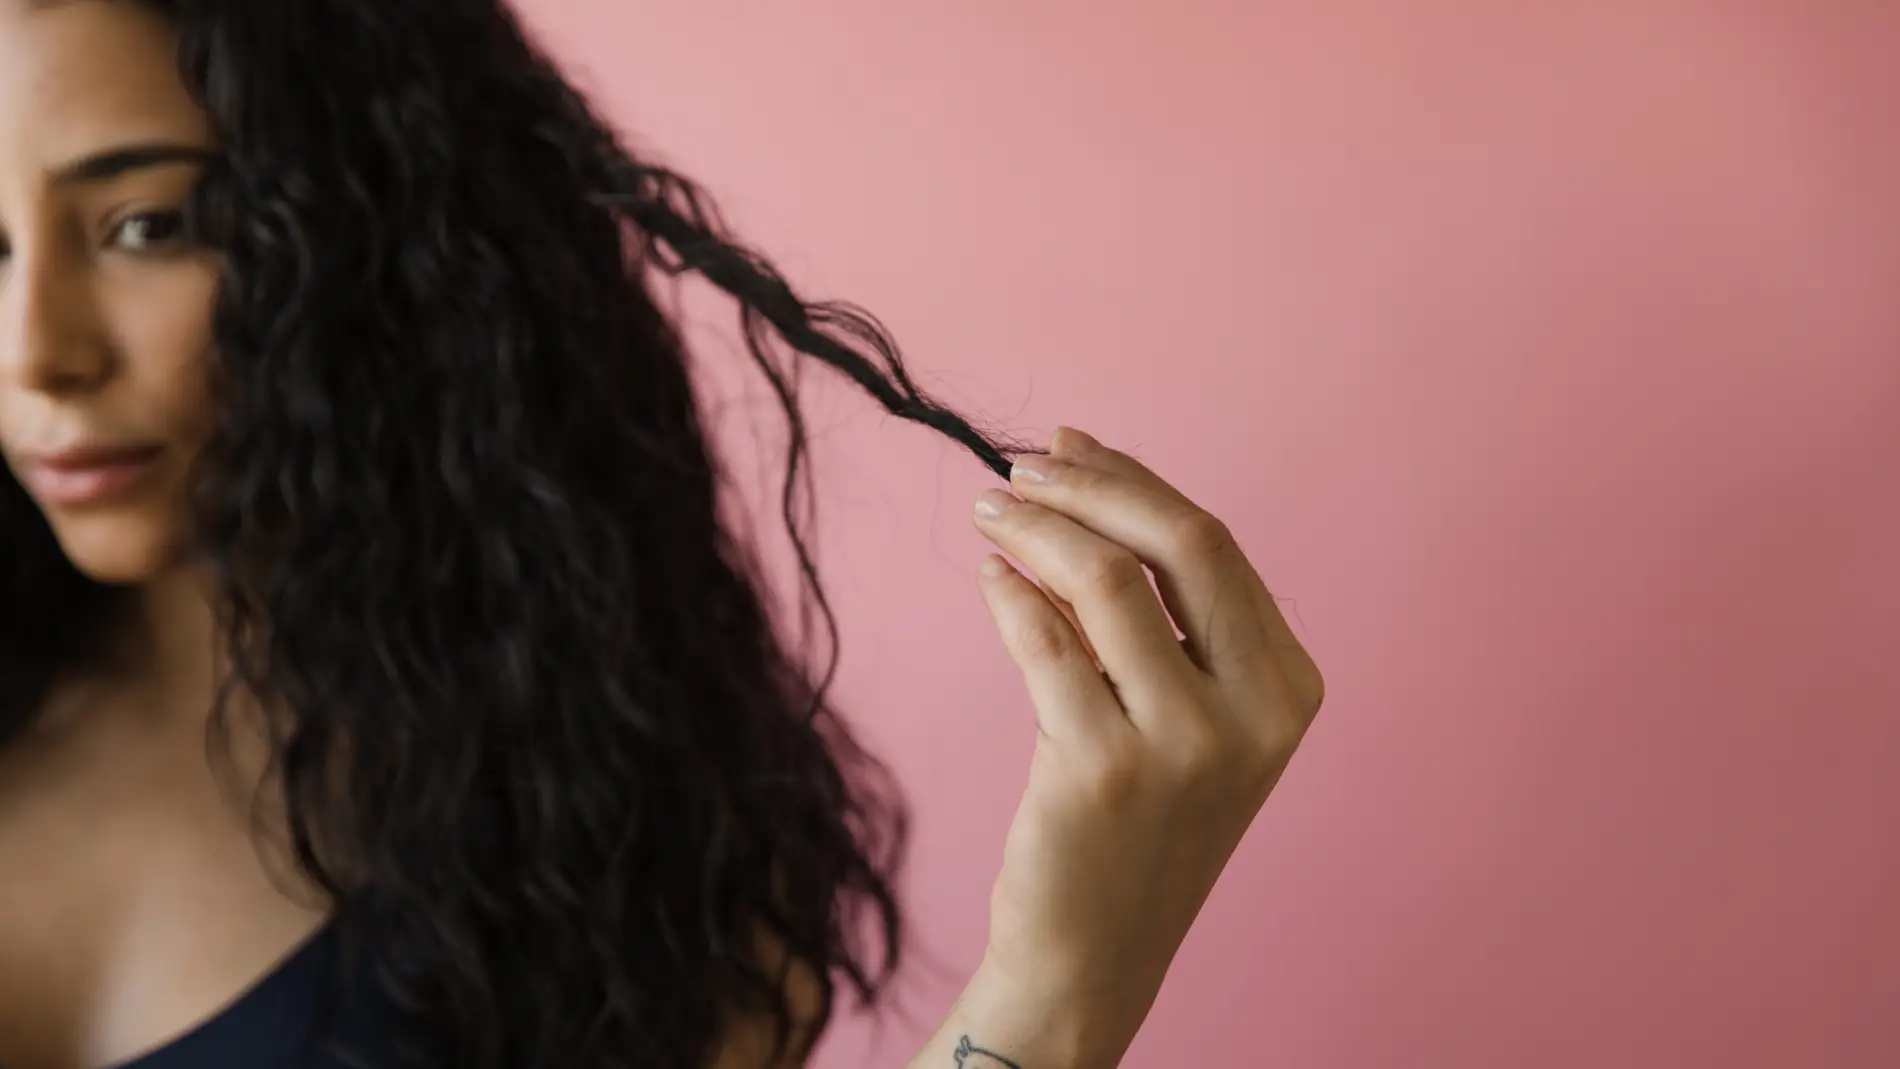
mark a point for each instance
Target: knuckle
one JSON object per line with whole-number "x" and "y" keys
{"x": 1113, "y": 575}
{"x": 1045, "y": 640}
{"x": 1084, "y": 478}
{"x": 1198, "y": 533}
{"x": 1302, "y": 686}
{"x": 1309, "y": 686}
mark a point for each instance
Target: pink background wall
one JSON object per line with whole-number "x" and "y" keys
{"x": 1547, "y": 356}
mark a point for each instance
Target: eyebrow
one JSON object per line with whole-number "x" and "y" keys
{"x": 123, "y": 159}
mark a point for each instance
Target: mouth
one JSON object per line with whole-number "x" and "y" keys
{"x": 88, "y": 476}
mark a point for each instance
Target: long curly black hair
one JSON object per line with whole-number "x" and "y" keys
{"x": 466, "y": 529}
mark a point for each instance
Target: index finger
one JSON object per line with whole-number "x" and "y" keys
{"x": 1204, "y": 580}
{"x": 1078, "y": 447}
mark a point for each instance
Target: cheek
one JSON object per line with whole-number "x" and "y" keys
{"x": 166, "y": 337}
{"x": 162, "y": 328}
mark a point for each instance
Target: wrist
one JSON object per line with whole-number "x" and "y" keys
{"x": 1037, "y": 1022}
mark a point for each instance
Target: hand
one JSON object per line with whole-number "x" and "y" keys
{"x": 1149, "y": 768}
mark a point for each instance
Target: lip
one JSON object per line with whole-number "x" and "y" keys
{"x": 86, "y": 475}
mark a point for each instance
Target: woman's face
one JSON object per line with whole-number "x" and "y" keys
{"x": 105, "y": 307}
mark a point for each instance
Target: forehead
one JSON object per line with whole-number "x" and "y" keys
{"x": 76, "y": 73}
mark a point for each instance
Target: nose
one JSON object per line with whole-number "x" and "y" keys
{"x": 49, "y": 337}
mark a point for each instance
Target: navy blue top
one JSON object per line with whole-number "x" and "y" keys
{"x": 276, "y": 1023}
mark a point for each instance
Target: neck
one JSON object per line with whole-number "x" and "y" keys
{"x": 157, "y": 665}
{"x": 170, "y": 633}
{"x": 162, "y": 654}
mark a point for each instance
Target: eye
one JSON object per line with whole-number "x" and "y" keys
{"x": 149, "y": 231}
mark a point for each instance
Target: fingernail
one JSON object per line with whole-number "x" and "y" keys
{"x": 1036, "y": 468}
{"x": 995, "y": 566}
{"x": 993, "y": 502}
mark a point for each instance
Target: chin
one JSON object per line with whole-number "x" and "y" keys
{"x": 123, "y": 550}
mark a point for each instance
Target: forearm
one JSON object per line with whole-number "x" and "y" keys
{"x": 1002, "y": 1023}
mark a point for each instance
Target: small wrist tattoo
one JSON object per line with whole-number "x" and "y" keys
{"x": 971, "y": 1056}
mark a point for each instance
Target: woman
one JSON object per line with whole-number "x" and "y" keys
{"x": 344, "y": 436}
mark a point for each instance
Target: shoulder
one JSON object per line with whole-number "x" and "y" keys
{"x": 748, "y": 1042}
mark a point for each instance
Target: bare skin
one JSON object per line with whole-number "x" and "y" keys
{"x": 149, "y": 904}
{"x": 140, "y": 899}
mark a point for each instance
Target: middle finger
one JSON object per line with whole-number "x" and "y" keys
{"x": 1109, "y": 589}
{"x": 1206, "y": 582}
